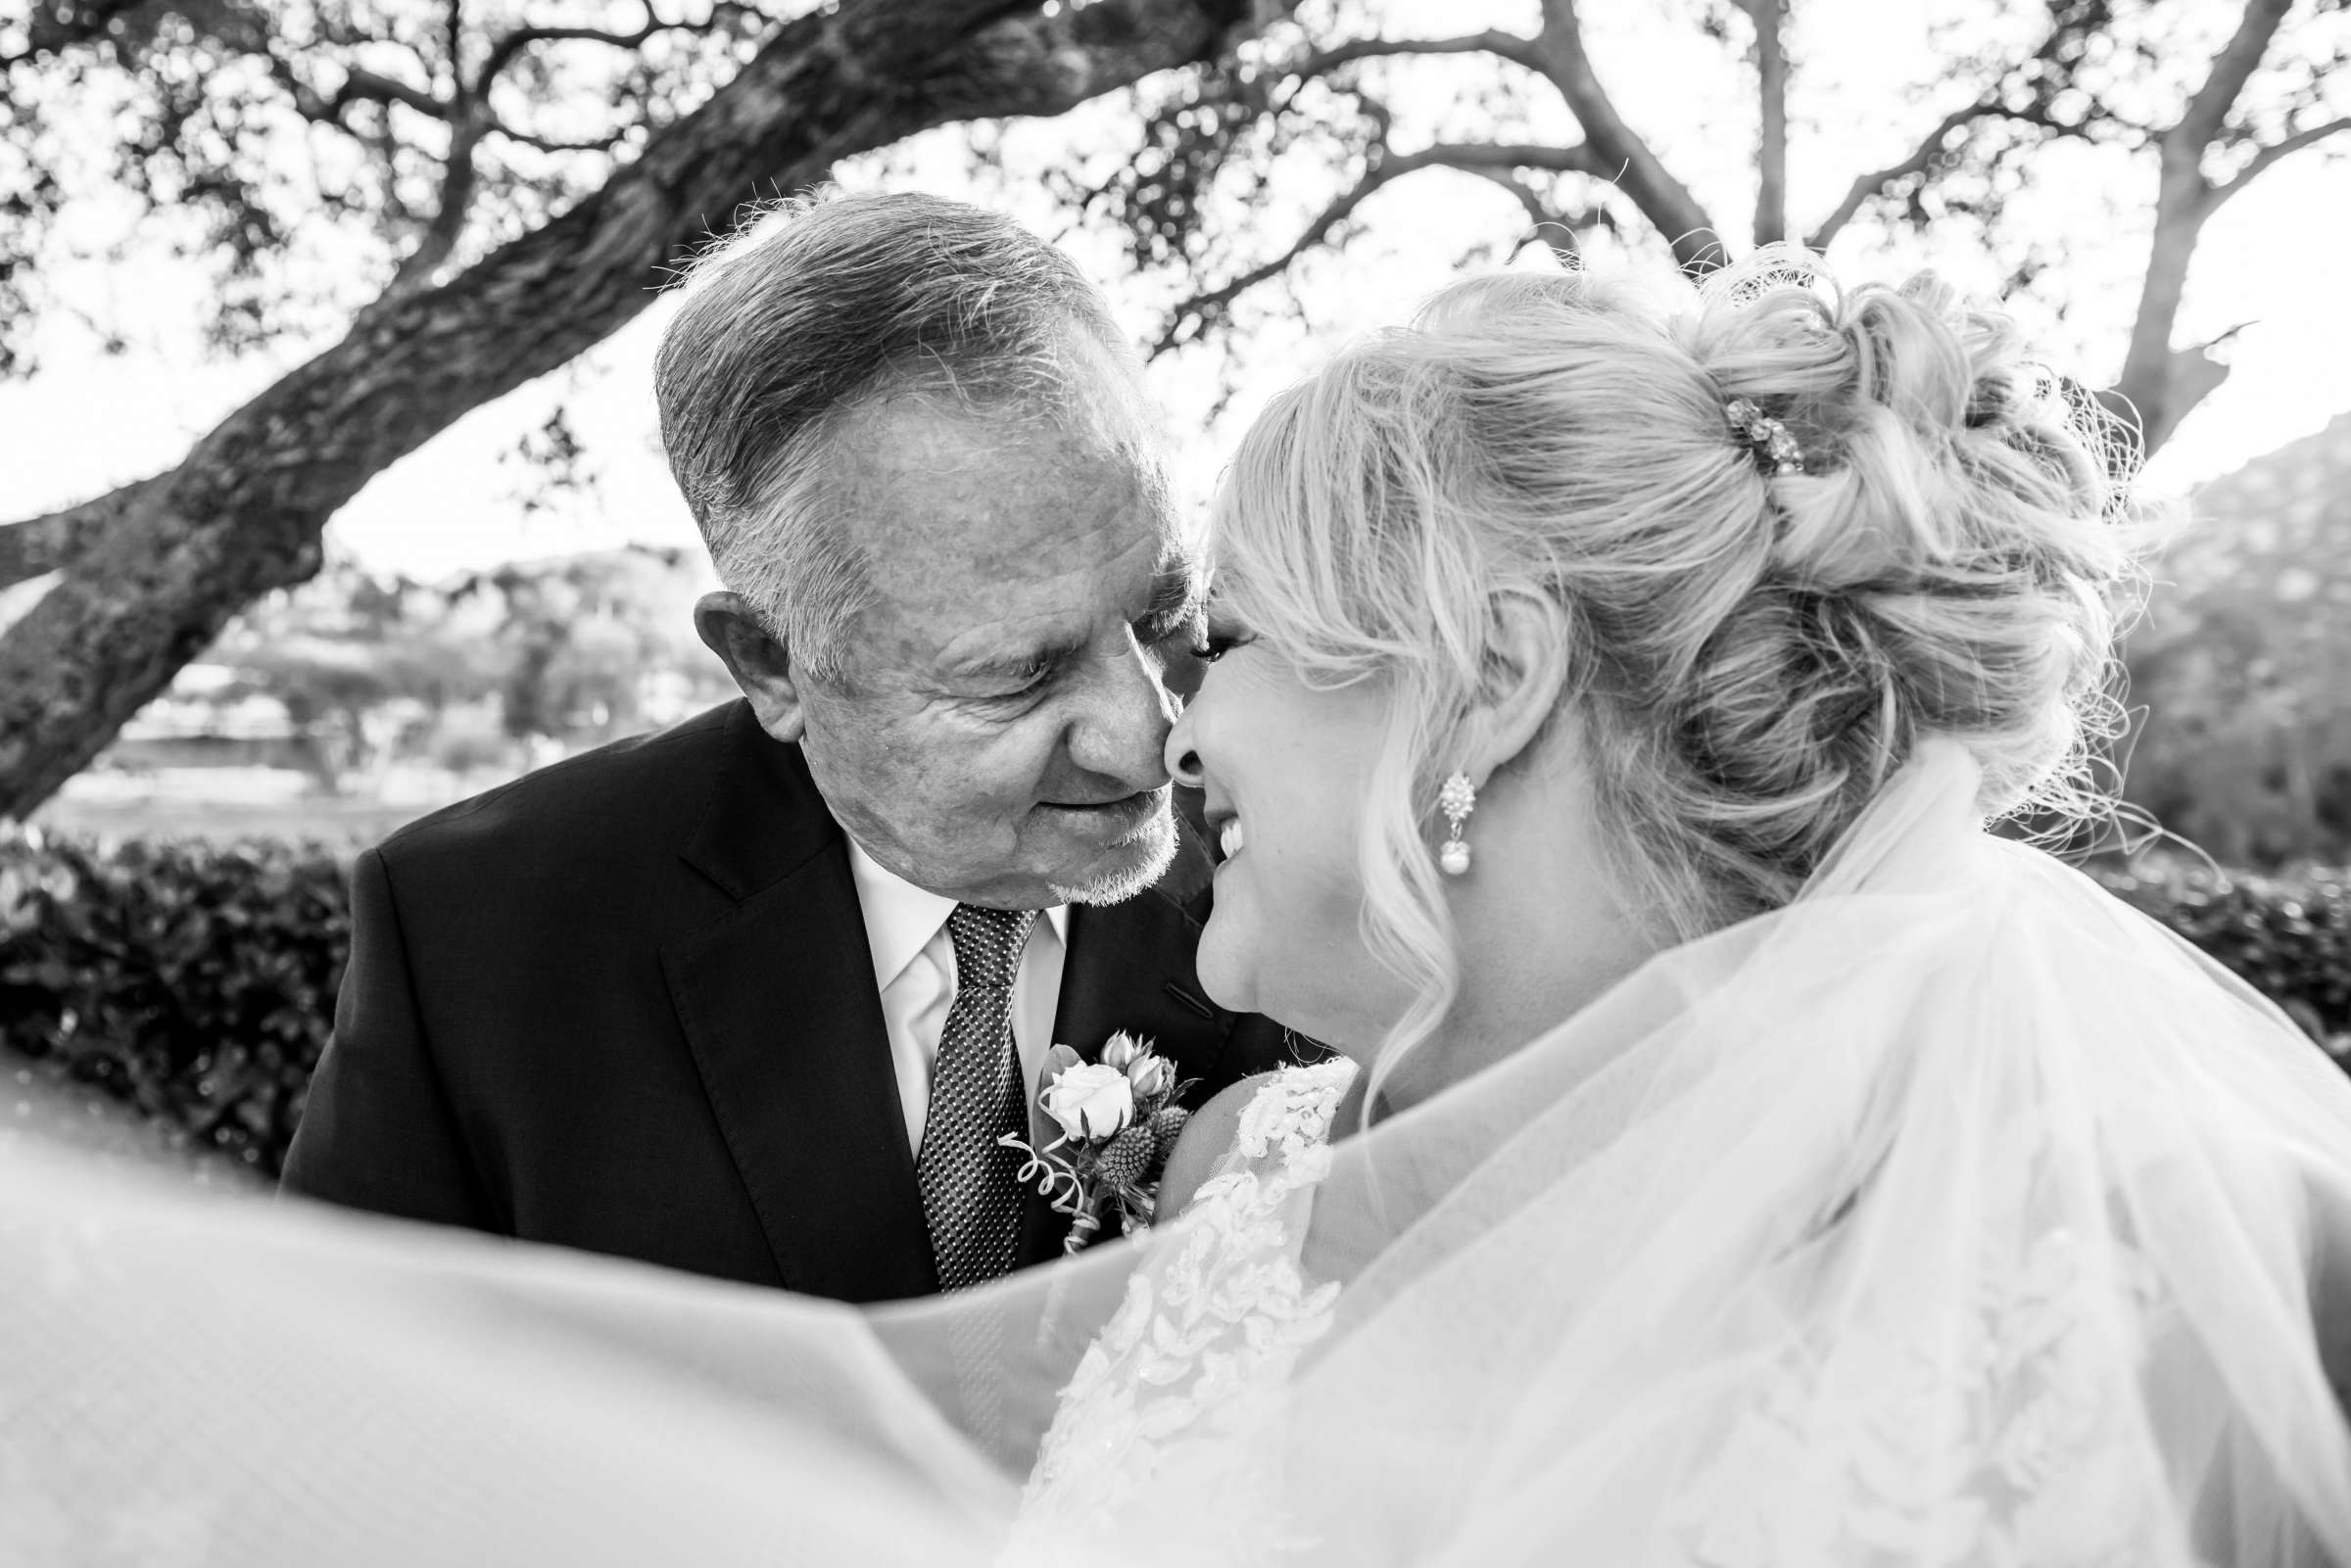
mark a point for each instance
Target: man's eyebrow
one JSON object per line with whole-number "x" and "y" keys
{"x": 1176, "y": 598}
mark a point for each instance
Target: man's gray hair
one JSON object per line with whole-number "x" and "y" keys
{"x": 849, "y": 299}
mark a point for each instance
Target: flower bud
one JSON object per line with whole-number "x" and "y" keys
{"x": 1152, "y": 1076}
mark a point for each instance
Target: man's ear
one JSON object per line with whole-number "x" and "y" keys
{"x": 1526, "y": 674}
{"x": 759, "y": 662}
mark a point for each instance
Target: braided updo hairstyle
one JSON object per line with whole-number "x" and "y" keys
{"x": 1754, "y": 653}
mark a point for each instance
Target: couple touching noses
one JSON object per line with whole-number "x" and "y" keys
{"x": 1817, "y": 1176}
{"x": 758, "y": 996}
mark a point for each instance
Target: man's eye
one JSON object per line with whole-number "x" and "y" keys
{"x": 1025, "y": 682}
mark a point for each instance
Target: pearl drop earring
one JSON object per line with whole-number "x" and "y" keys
{"x": 1457, "y": 799}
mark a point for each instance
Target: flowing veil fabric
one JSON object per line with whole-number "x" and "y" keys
{"x": 1955, "y": 1213}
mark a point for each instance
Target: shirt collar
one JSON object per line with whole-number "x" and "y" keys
{"x": 901, "y": 919}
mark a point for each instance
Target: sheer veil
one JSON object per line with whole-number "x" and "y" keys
{"x": 1953, "y": 1213}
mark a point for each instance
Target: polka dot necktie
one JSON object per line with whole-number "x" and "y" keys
{"x": 970, "y": 1182}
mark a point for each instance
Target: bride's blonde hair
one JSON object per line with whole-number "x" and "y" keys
{"x": 1752, "y": 654}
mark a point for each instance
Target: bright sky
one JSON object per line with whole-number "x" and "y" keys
{"x": 87, "y": 422}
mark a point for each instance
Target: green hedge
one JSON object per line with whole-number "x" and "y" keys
{"x": 197, "y": 983}
{"x": 2290, "y": 938}
{"x": 192, "y": 983}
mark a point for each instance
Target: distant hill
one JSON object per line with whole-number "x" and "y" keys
{"x": 2243, "y": 661}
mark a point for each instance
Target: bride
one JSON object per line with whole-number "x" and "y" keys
{"x": 1735, "y": 1154}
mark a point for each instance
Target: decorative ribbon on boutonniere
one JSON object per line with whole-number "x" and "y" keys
{"x": 1119, "y": 1121}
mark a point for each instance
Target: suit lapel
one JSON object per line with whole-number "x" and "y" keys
{"x": 1130, "y": 966}
{"x": 777, "y": 1005}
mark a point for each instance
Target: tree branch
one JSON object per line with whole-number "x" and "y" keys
{"x": 1635, "y": 168}
{"x": 2159, "y": 382}
{"x": 554, "y": 144}
{"x": 1879, "y": 180}
{"x": 1540, "y": 216}
{"x": 52, "y": 29}
{"x": 33, "y": 547}
{"x": 243, "y": 511}
{"x": 1030, "y": 64}
{"x": 2231, "y": 69}
{"x": 1771, "y": 148}
{"x": 1487, "y": 159}
{"x": 2067, "y": 30}
{"x": 2269, "y": 154}
{"x": 460, "y": 178}
{"x": 1508, "y": 46}
{"x": 511, "y": 45}
{"x": 360, "y": 85}
{"x": 55, "y": 541}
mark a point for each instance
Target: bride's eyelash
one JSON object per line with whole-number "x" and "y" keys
{"x": 1214, "y": 645}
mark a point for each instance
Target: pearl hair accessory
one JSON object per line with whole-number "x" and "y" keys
{"x": 1457, "y": 799}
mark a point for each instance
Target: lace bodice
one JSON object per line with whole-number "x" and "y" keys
{"x": 1197, "y": 1355}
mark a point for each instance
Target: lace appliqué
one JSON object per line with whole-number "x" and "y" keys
{"x": 1989, "y": 1434}
{"x": 1160, "y": 1434}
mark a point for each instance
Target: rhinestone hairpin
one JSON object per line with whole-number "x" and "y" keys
{"x": 1775, "y": 451}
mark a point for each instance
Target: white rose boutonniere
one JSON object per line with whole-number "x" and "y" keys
{"x": 1091, "y": 1101}
{"x": 1119, "y": 1122}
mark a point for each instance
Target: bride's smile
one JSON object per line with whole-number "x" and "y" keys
{"x": 1282, "y": 765}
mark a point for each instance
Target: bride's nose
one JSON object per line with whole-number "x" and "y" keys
{"x": 1182, "y": 761}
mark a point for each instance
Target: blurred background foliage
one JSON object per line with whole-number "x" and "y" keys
{"x": 2241, "y": 665}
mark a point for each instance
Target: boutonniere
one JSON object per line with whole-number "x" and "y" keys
{"x": 1119, "y": 1121}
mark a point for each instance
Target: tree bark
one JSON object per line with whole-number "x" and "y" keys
{"x": 2154, "y": 373}
{"x": 1771, "y": 146}
{"x": 1633, "y": 165}
{"x": 39, "y": 546}
{"x": 153, "y": 571}
{"x": 2160, "y": 384}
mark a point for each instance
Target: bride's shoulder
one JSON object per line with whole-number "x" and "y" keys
{"x": 1204, "y": 1140}
{"x": 1214, "y": 1130}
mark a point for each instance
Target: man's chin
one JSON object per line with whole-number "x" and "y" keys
{"x": 1132, "y": 865}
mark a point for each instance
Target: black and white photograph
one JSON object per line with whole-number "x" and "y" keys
{"x": 1065, "y": 783}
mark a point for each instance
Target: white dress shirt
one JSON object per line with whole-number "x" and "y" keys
{"x": 913, "y": 969}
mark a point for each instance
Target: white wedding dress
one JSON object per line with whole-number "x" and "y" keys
{"x": 1169, "y": 1397}
{"x": 1955, "y": 1215}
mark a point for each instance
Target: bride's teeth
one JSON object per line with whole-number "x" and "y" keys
{"x": 1230, "y": 841}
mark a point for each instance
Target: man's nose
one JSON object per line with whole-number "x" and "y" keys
{"x": 1126, "y": 724}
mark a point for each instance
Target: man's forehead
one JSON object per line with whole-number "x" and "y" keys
{"x": 978, "y": 537}
{"x": 915, "y": 486}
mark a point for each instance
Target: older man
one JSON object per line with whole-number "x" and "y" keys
{"x": 758, "y": 996}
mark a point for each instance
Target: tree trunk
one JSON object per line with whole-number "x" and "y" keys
{"x": 2160, "y": 384}
{"x": 152, "y": 572}
{"x": 1771, "y": 146}
{"x": 2156, "y": 375}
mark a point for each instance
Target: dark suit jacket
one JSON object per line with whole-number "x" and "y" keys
{"x": 625, "y": 1004}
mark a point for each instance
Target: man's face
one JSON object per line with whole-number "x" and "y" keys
{"x": 996, "y": 733}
